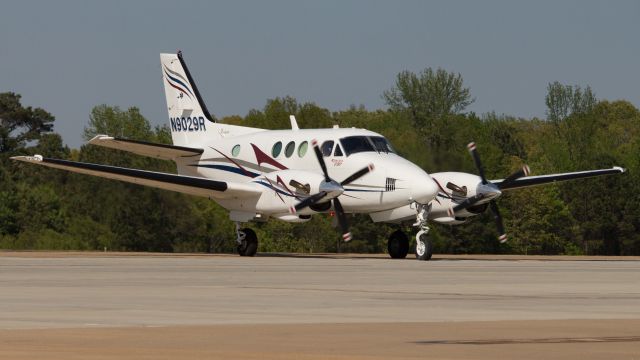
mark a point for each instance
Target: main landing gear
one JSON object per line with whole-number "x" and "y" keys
{"x": 398, "y": 243}
{"x": 247, "y": 241}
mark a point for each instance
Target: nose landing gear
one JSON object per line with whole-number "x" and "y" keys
{"x": 398, "y": 243}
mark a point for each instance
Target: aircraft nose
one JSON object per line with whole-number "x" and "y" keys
{"x": 423, "y": 188}
{"x": 427, "y": 189}
{"x": 415, "y": 183}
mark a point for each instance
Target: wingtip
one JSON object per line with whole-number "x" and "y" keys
{"x": 100, "y": 137}
{"x": 621, "y": 169}
{"x": 34, "y": 158}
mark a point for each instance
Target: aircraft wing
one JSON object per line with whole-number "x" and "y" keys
{"x": 160, "y": 151}
{"x": 185, "y": 184}
{"x": 545, "y": 179}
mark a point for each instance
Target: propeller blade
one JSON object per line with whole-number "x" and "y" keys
{"x": 476, "y": 159}
{"x": 498, "y": 218}
{"x": 525, "y": 171}
{"x": 342, "y": 220}
{"x": 357, "y": 175}
{"x": 465, "y": 204}
{"x": 492, "y": 191}
{"x": 308, "y": 201}
{"x": 320, "y": 158}
{"x": 306, "y": 188}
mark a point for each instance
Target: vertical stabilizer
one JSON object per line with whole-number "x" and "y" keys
{"x": 189, "y": 119}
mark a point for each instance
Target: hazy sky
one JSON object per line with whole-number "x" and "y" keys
{"x": 68, "y": 56}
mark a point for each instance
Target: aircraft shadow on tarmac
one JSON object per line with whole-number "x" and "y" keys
{"x": 533, "y": 341}
{"x": 348, "y": 256}
{"x": 324, "y": 256}
{"x": 462, "y": 257}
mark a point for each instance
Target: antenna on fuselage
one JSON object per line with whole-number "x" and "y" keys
{"x": 294, "y": 123}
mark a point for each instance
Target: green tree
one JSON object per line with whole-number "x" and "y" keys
{"x": 431, "y": 101}
{"x": 429, "y": 94}
{"x": 569, "y": 109}
{"x": 20, "y": 125}
{"x": 541, "y": 223}
{"x": 110, "y": 120}
{"x": 565, "y": 100}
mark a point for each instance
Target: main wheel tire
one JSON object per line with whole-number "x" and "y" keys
{"x": 424, "y": 248}
{"x": 249, "y": 245}
{"x": 398, "y": 245}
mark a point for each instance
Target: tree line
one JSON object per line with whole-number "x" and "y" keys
{"x": 426, "y": 120}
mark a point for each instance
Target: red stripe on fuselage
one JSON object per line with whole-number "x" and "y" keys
{"x": 261, "y": 157}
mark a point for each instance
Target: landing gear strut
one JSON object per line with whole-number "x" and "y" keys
{"x": 247, "y": 241}
{"x": 398, "y": 243}
{"x": 424, "y": 248}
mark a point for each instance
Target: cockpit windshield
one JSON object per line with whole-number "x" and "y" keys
{"x": 356, "y": 144}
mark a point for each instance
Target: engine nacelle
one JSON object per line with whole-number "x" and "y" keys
{"x": 293, "y": 218}
{"x": 291, "y": 180}
{"x": 288, "y": 188}
{"x": 450, "y": 221}
{"x": 455, "y": 187}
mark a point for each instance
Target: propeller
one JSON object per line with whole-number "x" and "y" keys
{"x": 488, "y": 190}
{"x": 331, "y": 190}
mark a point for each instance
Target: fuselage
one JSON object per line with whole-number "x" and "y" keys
{"x": 273, "y": 158}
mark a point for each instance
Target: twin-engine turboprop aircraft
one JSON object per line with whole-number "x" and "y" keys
{"x": 293, "y": 174}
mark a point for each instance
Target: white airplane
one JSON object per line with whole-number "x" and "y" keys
{"x": 293, "y": 174}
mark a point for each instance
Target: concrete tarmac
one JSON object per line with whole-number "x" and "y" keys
{"x": 58, "y": 305}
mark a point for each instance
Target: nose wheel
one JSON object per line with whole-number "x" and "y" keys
{"x": 424, "y": 248}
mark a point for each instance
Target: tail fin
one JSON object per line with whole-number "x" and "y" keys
{"x": 190, "y": 121}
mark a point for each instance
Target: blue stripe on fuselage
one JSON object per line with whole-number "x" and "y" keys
{"x": 265, "y": 184}
{"x": 230, "y": 169}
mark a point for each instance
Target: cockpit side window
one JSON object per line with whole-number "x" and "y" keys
{"x": 382, "y": 145}
{"x": 356, "y": 144}
{"x": 327, "y": 148}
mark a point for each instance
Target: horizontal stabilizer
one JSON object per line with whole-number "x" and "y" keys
{"x": 160, "y": 151}
{"x": 185, "y": 184}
